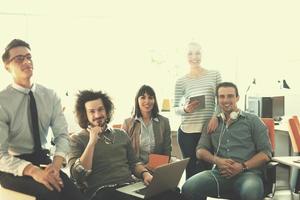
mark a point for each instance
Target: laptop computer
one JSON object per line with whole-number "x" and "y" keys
{"x": 165, "y": 177}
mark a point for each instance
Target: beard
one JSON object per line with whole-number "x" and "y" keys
{"x": 100, "y": 121}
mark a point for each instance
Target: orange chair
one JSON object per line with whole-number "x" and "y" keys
{"x": 270, "y": 174}
{"x": 269, "y": 122}
{"x": 117, "y": 125}
{"x": 297, "y": 121}
{"x": 294, "y": 132}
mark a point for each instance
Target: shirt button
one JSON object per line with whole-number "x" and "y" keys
{"x": 227, "y": 140}
{"x": 227, "y": 149}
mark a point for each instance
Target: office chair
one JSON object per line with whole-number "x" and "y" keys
{"x": 295, "y": 117}
{"x": 269, "y": 177}
{"x": 270, "y": 173}
{"x": 117, "y": 125}
{"x": 294, "y": 133}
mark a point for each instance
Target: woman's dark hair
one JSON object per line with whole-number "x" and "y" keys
{"x": 14, "y": 43}
{"x": 90, "y": 95}
{"x": 145, "y": 89}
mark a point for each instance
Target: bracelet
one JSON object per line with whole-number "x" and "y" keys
{"x": 79, "y": 168}
{"x": 144, "y": 171}
{"x": 245, "y": 168}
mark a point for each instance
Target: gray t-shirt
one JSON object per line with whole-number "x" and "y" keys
{"x": 112, "y": 163}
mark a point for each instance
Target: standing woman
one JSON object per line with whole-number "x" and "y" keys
{"x": 149, "y": 131}
{"x": 198, "y": 81}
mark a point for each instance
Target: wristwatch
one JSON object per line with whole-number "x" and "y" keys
{"x": 245, "y": 168}
{"x": 80, "y": 169}
{"x": 142, "y": 173}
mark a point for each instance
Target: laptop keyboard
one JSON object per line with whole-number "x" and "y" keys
{"x": 142, "y": 191}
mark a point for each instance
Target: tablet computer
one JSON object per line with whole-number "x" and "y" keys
{"x": 201, "y": 99}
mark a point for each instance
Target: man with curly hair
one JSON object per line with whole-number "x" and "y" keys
{"x": 102, "y": 158}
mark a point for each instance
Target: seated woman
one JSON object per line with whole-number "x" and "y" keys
{"x": 149, "y": 131}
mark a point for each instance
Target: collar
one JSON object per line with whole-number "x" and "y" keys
{"x": 140, "y": 119}
{"x": 108, "y": 129}
{"x": 242, "y": 113}
{"x": 22, "y": 89}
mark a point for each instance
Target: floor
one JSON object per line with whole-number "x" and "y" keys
{"x": 279, "y": 195}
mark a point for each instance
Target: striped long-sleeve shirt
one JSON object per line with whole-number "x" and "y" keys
{"x": 187, "y": 87}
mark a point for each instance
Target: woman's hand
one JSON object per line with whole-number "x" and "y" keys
{"x": 191, "y": 106}
{"x": 212, "y": 124}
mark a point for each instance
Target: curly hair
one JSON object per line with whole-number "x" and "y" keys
{"x": 14, "y": 43}
{"x": 148, "y": 90}
{"x": 90, "y": 95}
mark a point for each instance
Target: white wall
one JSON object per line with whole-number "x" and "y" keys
{"x": 116, "y": 46}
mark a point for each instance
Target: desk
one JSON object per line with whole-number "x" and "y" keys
{"x": 12, "y": 195}
{"x": 288, "y": 160}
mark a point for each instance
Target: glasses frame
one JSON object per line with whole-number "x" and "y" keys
{"x": 20, "y": 58}
{"x": 106, "y": 139}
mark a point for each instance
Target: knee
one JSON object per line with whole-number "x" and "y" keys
{"x": 252, "y": 190}
{"x": 46, "y": 194}
{"x": 186, "y": 191}
{"x": 192, "y": 189}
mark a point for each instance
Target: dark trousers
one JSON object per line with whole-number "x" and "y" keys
{"x": 27, "y": 185}
{"x": 188, "y": 143}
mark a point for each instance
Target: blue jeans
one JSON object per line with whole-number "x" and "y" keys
{"x": 188, "y": 143}
{"x": 244, "y": 186}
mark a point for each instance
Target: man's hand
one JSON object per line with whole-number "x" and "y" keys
{"x": 95, "y": 133}
{"x": 48, "y": 176}
{"x": 212, "y": 124}
{"x": 53, "y": 170}
{"x": 235, "y": 169}
{"x": 224, "y": 166}
{"x": 147, "y": 177}
{"x": 228, "y": 167}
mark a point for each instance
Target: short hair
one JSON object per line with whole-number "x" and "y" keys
{"x": 90, "y": 95}
{"x": 13, "y": 44}
{"x": 149, "y": 90}
{"x": 194, "y": 44}
{"x": 227, "y": 84}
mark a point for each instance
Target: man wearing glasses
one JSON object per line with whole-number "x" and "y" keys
{"x": 27, "y": 110}
{"x": 101, "y": 159}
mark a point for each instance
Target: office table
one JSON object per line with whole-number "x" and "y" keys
{"x": 6, "y": 194}
{"x": 283, "y": 146}
{"x": 288, "y": 160}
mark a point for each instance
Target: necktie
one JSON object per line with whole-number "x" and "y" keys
{"x": 35, "y": 124}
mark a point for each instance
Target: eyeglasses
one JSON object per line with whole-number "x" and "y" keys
{"x": 20, "y": 58}
{"x": 108, "y": 139}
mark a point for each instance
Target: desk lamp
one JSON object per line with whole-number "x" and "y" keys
{"x": 252, "y": 83}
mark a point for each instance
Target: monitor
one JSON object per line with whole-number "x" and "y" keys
{"x": 277, "y": 107}
{"x": 253, "y": 105}
{"x": 267, "y": 107}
